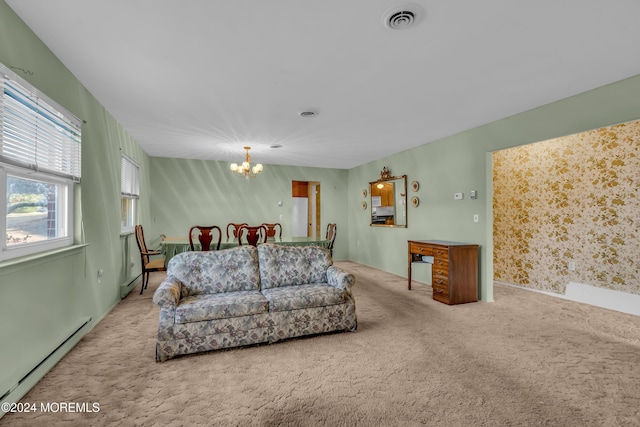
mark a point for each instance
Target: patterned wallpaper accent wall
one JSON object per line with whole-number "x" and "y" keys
{"x": 570, "y": 199}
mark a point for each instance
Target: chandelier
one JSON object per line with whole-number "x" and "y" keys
{"x": 245, "y": 168}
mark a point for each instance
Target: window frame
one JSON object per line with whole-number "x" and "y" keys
{"x": 129, "y": 191}
{"x": 31, "y": 124}
{"x": 65, "y": 203}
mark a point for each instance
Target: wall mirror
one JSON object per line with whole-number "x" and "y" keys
{"x": 388, "y": 197}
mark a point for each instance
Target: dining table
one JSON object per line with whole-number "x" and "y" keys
{"x": 171, "y": 246}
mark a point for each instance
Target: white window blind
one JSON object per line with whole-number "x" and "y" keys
{"x": 37, "y": 133}
{"x": 129, "y": 181}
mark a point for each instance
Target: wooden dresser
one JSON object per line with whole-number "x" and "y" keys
{"x": 454, "y": 273}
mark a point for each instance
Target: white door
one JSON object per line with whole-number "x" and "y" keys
{"x": 299, "y": 217}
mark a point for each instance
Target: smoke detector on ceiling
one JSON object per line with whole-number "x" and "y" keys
{"x": 403, "y": 17}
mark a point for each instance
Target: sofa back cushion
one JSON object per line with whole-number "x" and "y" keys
{"x": 211, "y": 272}
{"x": 292, "y": 265}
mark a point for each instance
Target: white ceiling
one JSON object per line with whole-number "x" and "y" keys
{"x": 203, "y": 78}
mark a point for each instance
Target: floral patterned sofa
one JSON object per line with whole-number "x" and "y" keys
{"x": 248, "y": 295}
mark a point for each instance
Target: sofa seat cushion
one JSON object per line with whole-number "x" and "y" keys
{"x": 303, "y": 296}
{"x": 220, "y": 306}
{"x": 292, "y": 265}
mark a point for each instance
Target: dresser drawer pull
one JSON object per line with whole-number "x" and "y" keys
{"x": 440, "y": 291}
{"x": 440, "y": 252}
{"x": 439, "y": 281}
{"x": 441, "y": 272}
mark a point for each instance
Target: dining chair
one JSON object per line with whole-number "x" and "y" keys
{"x": 252, "y": 234}
{"x": 332, "y": 229}
{"x": 148, "y": 265}
{"x": 205, "y": 237}
{"x": 272, "y": 229}
{"x": 234, "y": 227}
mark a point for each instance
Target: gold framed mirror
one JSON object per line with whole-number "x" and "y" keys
{"x": 388, "y": 200}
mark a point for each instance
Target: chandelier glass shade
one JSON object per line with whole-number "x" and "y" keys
{"x": 245, "y": 169}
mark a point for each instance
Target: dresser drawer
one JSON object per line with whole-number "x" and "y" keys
{"x": 440, "y": 252}
{"x": 439, "y": 281}
{"x": 440, "y": 293}
{"x": 441, "y": 262}
{"x": 422, "y": 250}
{"x": 441, "y": 272}
{"x": 440, "y": 267}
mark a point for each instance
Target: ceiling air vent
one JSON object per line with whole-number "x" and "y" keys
{"x": 401, "y": 17}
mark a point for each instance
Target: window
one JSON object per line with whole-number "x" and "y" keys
{"x": 39, "y": 163}
{"x": 129, "y": 193}
{"x": 38, "y": 213}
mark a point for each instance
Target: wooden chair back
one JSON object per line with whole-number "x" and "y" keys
{"x": 252, "y": 235}
{"x": 142, "y": 245}
{"x": 148, "y": 266}
{"x": 332, "y": 229}
{"x": 205, "y": 237}
{"x": 272, "y": 230}
{"x": 234, "y": 230}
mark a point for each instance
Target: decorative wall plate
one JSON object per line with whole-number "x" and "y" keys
{"x": 364, "y": 192}
{"x": 415, "y": 185}
{"x": 364, "y": 205}
{"x": 415, "y": 201}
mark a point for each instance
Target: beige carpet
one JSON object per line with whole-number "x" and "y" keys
{"x": 526, "y": 359}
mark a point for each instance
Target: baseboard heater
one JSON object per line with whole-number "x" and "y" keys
{"x": 46, "y": 358}
{"x": 128, "y": 287}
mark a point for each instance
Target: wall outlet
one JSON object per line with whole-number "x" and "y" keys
{"x": 571, "y": 266}
{"x": 476, "y": 218}
{"x": 100, "y": 275}
{"x": 458, "y": 196}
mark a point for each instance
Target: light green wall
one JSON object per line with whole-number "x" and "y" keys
{"x": 42, "y": 299}
{"x": 460, "y": 163}
{"x": 442, "y": 170}
{"x": 195, "y": 192}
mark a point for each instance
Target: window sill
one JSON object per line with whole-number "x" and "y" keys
{"x": 28, "y": 261}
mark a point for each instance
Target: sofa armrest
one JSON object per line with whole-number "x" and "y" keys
{"x": 340, "y": 278}
{"x": 168, "y": 293}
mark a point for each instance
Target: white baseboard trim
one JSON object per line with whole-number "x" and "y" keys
{"x": 600, "y": 297}
{"x": 606, "y": 298}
